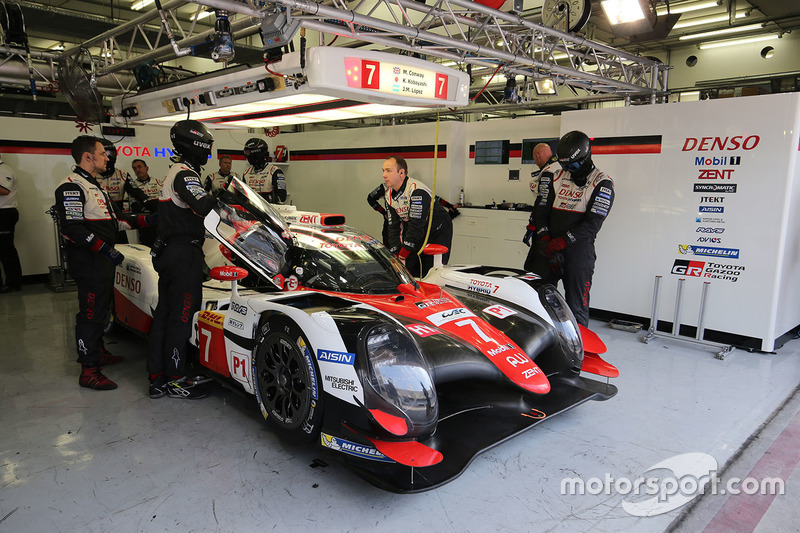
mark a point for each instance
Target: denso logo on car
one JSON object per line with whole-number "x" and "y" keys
{"x": 443, "y": 317}
{"x": 343, "y": 358}
{"x": 238, "y": 308}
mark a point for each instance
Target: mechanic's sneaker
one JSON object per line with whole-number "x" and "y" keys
{"x": 92, "y": 378}
{"x": 197, "y": 380}
{"x": 106, "y": 358}
{"x": 180, "y": 388}
{"x": 158, "y": 387}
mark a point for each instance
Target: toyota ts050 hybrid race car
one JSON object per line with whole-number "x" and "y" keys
{"x": 404, "y": 381}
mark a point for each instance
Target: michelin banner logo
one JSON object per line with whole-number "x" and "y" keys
{"x": 688, "y": 249}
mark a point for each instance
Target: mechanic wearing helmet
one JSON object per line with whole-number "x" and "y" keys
{"x": 265, "y": 179}
{"x": 178, "y": 259}
{"x": 9, "y": 216}
{"x": 118, "y": 184}
{"x": 543, "y": 157}
{"x": 89, "y": 222}
{"x": 221, "y": 179}
{"x": 408, "y": 208}
{"x": 573, "y": 204}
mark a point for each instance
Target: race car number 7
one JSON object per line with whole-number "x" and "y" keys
{"x": 205, "y": 342}
{"x": 473, "y": 325}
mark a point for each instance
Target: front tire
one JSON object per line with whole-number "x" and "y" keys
{"x": 286, "y": 379}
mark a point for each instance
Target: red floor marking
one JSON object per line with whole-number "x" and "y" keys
{"x": 742, "y": 512}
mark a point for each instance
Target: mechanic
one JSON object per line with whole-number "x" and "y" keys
{"x": 266, "y": 180}
{"x": 151, "y": 187}
{"x": 573, "y": 204}
{"x": 89, "y": 222}
{"x": 9, "y": 216}
{"x": 408, "y": 208}
{"x": 379, "y": 192}
{"x": 178, "y": 259}
{"x": 543, "y": 157}
{"x": 221, "y": 179}
{"x": 119, "y": 185}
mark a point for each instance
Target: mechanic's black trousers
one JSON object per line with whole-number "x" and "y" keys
{"x": 8, "y": 253}
{"x": 419, "y": 265}
{"x": 180, "y": 279}
{"x": 576, "y": 273}
{"x": 94, "y": 275}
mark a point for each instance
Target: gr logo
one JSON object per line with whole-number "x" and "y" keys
{"x": 683, "y": 267}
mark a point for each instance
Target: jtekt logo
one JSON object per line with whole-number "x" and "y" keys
{"x": 683, "y": 267}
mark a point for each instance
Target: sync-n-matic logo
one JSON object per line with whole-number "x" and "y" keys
{"x": 715, "y": 187}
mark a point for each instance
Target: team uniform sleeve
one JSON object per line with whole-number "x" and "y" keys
{"x": 393, "y": 230}
{"x": 373, "y": 199}
{"x": 189, "y": 189}
{"x": 278, "y": 186}
{"x": 419, "y": 210}
{"x": 70, "y": 202}
{"x": 596, "y": 212}
{"x": 543, "y": 204}
{"x": 133, "y": 191}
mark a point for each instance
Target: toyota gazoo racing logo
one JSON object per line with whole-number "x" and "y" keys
{"x": 702, "y": 269}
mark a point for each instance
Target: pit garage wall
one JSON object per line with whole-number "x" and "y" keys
{"x": 661, "y": 158}
{"x": 39, "y": 152}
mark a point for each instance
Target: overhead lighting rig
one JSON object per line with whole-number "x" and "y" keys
{"x": 336, "y": 84}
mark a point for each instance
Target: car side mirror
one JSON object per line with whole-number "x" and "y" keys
{"x": 229, "y": 273}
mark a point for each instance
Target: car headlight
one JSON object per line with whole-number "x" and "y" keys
{"x": 569, "y": 335}
{"x": 400, "y": 378}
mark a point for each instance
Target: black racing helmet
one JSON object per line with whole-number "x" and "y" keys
{"x": 192, "y": 141}
{"x": 257, "y": 152}
{"x": 575, "y": 153}
{"x": 111, "y": 152}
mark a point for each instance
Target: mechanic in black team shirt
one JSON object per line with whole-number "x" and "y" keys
{"x": 178, "y": 259}
{"x": 90, "y": 222}
{"x": 408, "y": 208}
{"x": 573, "y": 203}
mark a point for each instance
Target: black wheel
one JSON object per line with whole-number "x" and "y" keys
{"x": 286, "y": 379}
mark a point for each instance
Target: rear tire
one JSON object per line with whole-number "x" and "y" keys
{"x": 286, "y": 380}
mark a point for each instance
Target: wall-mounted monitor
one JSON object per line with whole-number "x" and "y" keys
{"x": 529, "y": 144}
{"x": 491, "y": 152}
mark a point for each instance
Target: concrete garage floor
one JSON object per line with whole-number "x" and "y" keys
{"x": 74, "y": 459}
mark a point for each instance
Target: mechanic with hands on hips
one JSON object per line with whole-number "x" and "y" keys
{"x": 9, "y": 216}
{"x": 573, "y": 203}
{"x": 90, "y": 222}
{"x": 265, "y": 179}
{"x": 408, "y": 208}
{"x": 221, "y": 179}
{"x": 178, "y": 259}
{"x": 543, "y": 157}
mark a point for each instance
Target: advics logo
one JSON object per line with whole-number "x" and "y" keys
{"x": 683, "y": 267}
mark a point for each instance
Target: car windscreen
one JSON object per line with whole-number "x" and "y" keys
{"x": 343, "y": 259}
